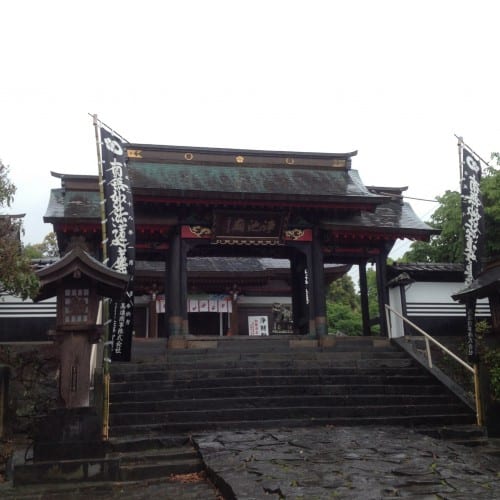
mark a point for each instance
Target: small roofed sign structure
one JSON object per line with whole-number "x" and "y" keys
{"x": 78, "y": 280}
{"x": 486, "y": 285}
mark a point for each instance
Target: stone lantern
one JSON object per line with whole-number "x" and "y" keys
{"x": 78, "y": 281}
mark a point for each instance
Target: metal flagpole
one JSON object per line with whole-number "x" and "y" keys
{"x": 105, "y": 309}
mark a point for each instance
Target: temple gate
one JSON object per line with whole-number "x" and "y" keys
{"x": 310, "y": 209}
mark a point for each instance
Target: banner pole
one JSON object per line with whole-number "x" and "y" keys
{"x": 464, "y": 145}
{"x": 105, "y": 308}
{"x": 460, "y": 146}
{"x": 103, "y": 125}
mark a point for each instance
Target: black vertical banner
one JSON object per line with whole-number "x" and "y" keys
{"x": 472, "y": 215}
{"x": 472, "y": 219}
{"x": 120, "y": 239}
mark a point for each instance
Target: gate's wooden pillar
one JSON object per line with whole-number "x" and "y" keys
{"x": 298, "y": 297}
{"x": 318, "y": 287}
{"x": 173, "y": 311}
{"x": 183, "y": 275}
{"x": 363, "y": 288}
{"x": 152, "y": 318}
{"x": 383, "y": 296}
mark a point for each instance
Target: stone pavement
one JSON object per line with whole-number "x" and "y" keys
{"x": 359, "y": 463}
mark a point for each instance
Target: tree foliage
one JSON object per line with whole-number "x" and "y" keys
{"x": 342, "y": 290}
{"x": 448, "y": 246}
{"x": 16, "y": 275}
{"x": 490, "y": 188}
{"x": 344, "y": 305}
{"x": 47, "y": 248}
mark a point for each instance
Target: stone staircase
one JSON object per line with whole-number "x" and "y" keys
{"x": 127, "y": 460}
{"x": 152, "y": 457}
{"x": 253, "y": 382}
{"x": 247, "y": 383}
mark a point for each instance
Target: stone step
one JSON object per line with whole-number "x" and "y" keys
{"x": 275, "y": 390}
{"x": 278, "y": 402}
{"x": 253, "y": 344}
{"x": 65, "y": 471}
{"x": 134, "y": 444}
{"x": 154, "y": 455}
{"x": 284, "y": 355}
{"x": 163, "y": 468}
{"x": 298, "y": 364}
{"x": 128, "y": 459}
{"x": 386, "y": 379}
{"x": 282, "y": 413}
{"x": 319, "y": 359}
{"x": 225, "y": 372}
{"x": 464, "y": 435}
{"x": 438, "y": 418}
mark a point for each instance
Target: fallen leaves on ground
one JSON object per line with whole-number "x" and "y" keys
{"x": 194, "y": 477}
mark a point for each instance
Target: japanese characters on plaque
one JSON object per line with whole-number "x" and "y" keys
{"x": 255, "y": 227}
{"x": 120, "y": 239}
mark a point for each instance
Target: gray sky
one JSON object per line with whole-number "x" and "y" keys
{"x": 392, "y": 79}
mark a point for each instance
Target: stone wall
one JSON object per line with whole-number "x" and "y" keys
{"x": 33, "y": 385}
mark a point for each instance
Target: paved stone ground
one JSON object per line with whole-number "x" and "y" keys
{"x": 359, "y": 463}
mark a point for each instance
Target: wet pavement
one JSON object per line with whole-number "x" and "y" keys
{"x": 347, "y": 462}
{"x": 360, "y": 463}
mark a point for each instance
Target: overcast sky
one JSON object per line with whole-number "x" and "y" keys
{"x": 394, "y": 80}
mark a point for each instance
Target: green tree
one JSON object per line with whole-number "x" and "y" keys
{"x": 16, "y": 275}
{"x": 343, "y": 307}
{"x": 371, "y": 281}
{"x": 47, "y": 248}
{"x": 490, "y": 189}
{"x": 448, "y": 246}
{"x": 342, "y": 290}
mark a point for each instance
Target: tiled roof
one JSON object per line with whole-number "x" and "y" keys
{"x": 486, "y": 284}
{"x": 428, "y": 271}
{"x": 226, "y": 265}
{"x": 249, "y": 183}
{"x": 392, "y": 216}
{"x": 429, "y": 266}
{"x": 66, "y": 204}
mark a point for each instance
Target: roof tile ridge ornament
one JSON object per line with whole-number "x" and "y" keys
{"x": 145, "y": 153}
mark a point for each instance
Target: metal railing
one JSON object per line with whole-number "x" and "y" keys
{"x": 473, "y": 369}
